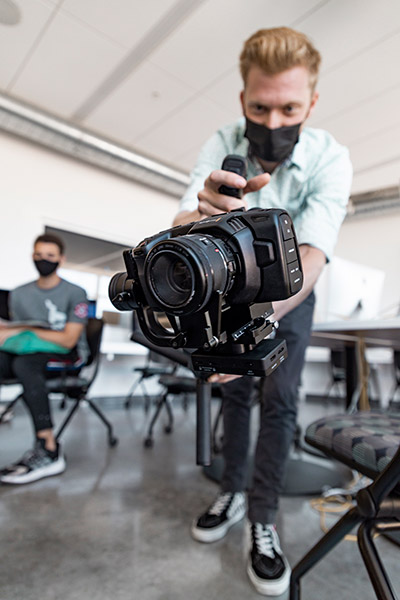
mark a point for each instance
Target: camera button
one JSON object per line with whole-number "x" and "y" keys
{"x": 290, "y": 250}
{"x": 295, "y": 277}
{"x": 286, "y": 227}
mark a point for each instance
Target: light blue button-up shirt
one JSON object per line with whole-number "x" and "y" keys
{"x": 313, "y": 184}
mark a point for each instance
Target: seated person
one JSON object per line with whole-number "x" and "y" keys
{"x": 61, "y": 309}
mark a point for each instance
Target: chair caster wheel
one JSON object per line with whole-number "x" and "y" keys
{"x": 113, "y": 442}
{"x": 168, "y": 429}
{"x": 148, "y": 443}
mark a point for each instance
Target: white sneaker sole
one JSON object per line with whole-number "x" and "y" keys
{"x": 54, "y": 469}
{"x": 214, "y": 534}
{"x": 267, "y": 587}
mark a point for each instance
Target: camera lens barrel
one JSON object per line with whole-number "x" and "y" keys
{"x": 120, "y": 292}
{"x": 182, "y": 273}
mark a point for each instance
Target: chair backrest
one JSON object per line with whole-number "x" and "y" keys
{"x": 94, "y": 331}
{"x": 396, "y": 360}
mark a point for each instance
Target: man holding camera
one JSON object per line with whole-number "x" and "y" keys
{"x": 306, "y": 172}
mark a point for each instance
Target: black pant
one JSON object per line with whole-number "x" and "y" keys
{"x": 279, "y": 395}
{"x": 30, "y": 370}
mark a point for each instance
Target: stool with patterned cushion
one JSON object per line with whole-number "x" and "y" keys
{"x": 369, "y": 443}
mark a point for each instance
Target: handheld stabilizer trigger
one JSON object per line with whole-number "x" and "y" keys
{"x": 236, "y": 164}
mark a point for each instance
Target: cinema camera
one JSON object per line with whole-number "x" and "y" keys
{"x": 215, "y": 281}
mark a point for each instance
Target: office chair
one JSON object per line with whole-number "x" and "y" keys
{"x": 338, "y": 370}
{"x": 149, "y": 370}
{"x": 175, "y": 385}
{"x": 369, "y": 443}
{"x": 73, "y": 380}
{"x": 396, "y": 365}
{"x": 338, "y": 376}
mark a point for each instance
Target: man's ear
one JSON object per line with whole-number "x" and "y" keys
{"x": 62, "y": 260}
{"x": 242, "y": 101}
{"x": 314, "y": 101}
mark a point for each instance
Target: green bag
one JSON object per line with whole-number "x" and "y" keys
{"x": 27, "y": 342}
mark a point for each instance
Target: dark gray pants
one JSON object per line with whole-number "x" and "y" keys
{"x": 30, "y": 370}
{"x": 278, "y": 413}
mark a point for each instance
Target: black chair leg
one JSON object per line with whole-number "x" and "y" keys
{"x": 9, "y": 407}
{"x": 67, "y": 419}
{"x": 321, "y": 548}
{"x": 112, "y": 440}
{"x": 376, "y": 570}
{"x": 168, "y": 406}
{"x": 148, "y": 441}
{"x": 128, "y": 399}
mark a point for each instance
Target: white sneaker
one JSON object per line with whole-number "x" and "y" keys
{"x": 268, "y": 569}
{"x": 35, "y": 464}
{"x": 227, "y": 509}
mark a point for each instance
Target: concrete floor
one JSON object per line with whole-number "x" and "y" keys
{"x": 115, "y": 525}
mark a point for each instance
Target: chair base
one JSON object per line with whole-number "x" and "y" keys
{"x": 305, "y": 475}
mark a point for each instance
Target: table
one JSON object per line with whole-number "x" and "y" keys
{"x": 354, "y": 336}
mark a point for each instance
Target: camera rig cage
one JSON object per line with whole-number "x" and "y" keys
{"x": 215, "y": 280}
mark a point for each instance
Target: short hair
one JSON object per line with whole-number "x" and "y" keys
{"x": 50, "y": 238}
{"x": 278, "y": 49}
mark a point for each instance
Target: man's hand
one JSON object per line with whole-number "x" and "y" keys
{"x": 211, "y": 202}
{"x": 221, "y": 378}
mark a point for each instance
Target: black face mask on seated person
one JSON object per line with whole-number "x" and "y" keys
{"x": 272, "y": 145}
{"x": 45, "y": 267}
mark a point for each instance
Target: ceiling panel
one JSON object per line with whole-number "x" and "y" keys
{"x": 225, "y": 91}
{"x": 16, "y": 41}
{"x": 121, "y": 20}
{"x": 342, "y": 29}
{"x": 192, "y": 125}
{"x": 360, "y": 122}
{"x": 377, "y": 149}
{"x": 209, "y": 43}
{"x": 358, "y": 80}
{"x": 139, "y": 104}
{"x": 63, "y": 51}
{"x": 69, "y": 62}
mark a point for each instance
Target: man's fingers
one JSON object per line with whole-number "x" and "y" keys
{"x": 221, "y": 177}
{"x": 221, "y": 378}
{"x": 257, "y": 182}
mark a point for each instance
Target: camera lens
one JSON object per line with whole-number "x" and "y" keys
{"x": 171, "y": 278}
{"x": 183, "y": 272}
{"x": 180, "y": 277}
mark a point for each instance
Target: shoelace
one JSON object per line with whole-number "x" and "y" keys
{"x": 220, "y": 504}
{"x": 264, "y": 537}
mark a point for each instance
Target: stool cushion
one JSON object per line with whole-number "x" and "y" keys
{"x": 365, "y": 441}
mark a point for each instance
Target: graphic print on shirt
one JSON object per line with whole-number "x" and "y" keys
{"x": 56, "y": 318}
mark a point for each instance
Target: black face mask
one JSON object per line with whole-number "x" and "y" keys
{"x": 272, "y": 145}
{"x": 46, "y": 267}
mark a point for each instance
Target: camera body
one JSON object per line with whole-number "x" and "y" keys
{"x": 215, "y": 281}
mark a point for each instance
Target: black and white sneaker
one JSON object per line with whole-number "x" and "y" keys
{"x": 268, "y": 569}
{"x": 35, "y": 464}
{"x": 227, "y": 509}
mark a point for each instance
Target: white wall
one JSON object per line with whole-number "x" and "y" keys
{"x": 375, "y": 241}
{"x": 39, "y": 188}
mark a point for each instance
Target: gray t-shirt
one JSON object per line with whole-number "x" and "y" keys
{"x": 53, "y": 308}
